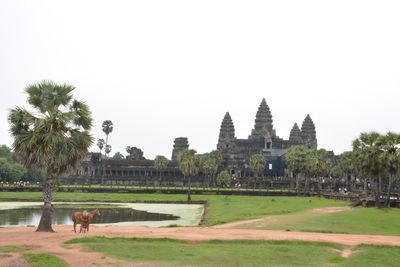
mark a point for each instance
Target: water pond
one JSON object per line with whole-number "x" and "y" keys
{"x": 152, "y": 215}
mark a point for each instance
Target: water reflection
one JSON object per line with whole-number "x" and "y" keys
{"x": 62, "y": 215}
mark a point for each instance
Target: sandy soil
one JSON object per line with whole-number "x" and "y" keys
{"x": 53, "y": 242}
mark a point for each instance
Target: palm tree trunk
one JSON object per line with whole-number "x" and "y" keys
{"x": 377, "y": 194}
{"x": 319, "y": 186}
{"x": 189, "y": 192}
{"x": 389, "y": 190}
{"x": 104, "y": 163}
{"x": 297, "y": 182}
{"x": 291, "y": 181}
{"x": 365, "y": 185}
{"x": 306, "y": 189}
{"x": 48, "y": 209}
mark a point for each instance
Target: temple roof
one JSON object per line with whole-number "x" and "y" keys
{"x": 308, "y": 133}
{"x": 263, "y": 117}
{"x": 227, "y": 130}
{"x": 295, "y": 134}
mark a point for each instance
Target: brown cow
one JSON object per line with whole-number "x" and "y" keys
{"x": 84, "y": 218}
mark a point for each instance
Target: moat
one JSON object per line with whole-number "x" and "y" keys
{"x": 153, "y": 215}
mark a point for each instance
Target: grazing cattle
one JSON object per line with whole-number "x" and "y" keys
{"x": 84, "y": 218}
{"x": 85, "y": 221}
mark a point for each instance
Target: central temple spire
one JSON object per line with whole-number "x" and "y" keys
{"x": 226, "y": 133}
{"x": 263, "y": 123}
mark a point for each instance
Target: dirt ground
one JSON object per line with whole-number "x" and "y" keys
{"x": 53, "y": 242}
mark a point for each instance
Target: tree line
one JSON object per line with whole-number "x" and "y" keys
{"x": 374, "y": 160}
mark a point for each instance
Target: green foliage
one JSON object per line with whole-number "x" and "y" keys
{"x": 296, "y": 159}
{"x": 5, "y": 152}
{"x": 257, "y": 163}
{"x": 336, "y": 171}
{"x": 377, "y": 156}
{"x": 209, "y": 162}
{"x": 318, "y": 162}
{"x": 56, "y": 138}
{"x": 160, "y": 162}
{"x": 100, "y": 144}
{"x": 118, "y": 156}
{"x": 367, "y": 151}
{"x": 10, "y": 170}
{"x": 107, "y": 127}
{"x": 108, "y": 149}
{"x": 43, "y": 259}
{"x": 57, "y": 184}
{"x": 224, "y": 178}
{"x": 347, "y": 163}
{"x": 189, "y": 162}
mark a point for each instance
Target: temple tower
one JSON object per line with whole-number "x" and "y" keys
{"x": 308, "y": 133}
{"x": 295, "y": 135}
{"x": 180, "y": 144}
{"x": 226, "y": 133}
{"x": 263, "y": 123}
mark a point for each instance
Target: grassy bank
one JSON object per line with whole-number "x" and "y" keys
{"x": 239, "y": 253}
{"x": 356, "y": 221}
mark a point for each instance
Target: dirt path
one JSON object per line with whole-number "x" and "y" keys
{"x": 53, "y": 242}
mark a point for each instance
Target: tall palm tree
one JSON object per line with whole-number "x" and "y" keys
{"x": 390, "y": 157}
{"x": 318, "y": 166}
{"x": 107, "y": 127}
{"x": 160, "y": 163}
{"x": 100, "y": 144}
{"x": 108, "y": 150}
{"x": 189, "y": 165}
{"x": 209, "y": 163}
{"x": 53, "y": 138}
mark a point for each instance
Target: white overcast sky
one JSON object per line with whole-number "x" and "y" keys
{"x": 164, "y": 69}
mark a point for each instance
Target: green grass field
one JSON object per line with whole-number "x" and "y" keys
{"x": 356, "y": 221}
{"x": 34, "y": 259}
{"x": 13, "y": 249}
{"x": 239, "y": 253}
{"x": 43, "y": 259}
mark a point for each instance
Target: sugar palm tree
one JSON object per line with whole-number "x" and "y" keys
{"x": 189, "y": 165}
{"x": 53, "y": 138}
{"x": 296, "y": 160}
{"x": 100, "y": 144}
{"x": 107, "y": 127}
{"x": 160, "y": 163}
{"x": 210, "y": 162}
{"x": 390, "y": 157}
{"x": 318, "y": 166}
{"x": 257, "y": 164}
{"x": 367, "y": 151}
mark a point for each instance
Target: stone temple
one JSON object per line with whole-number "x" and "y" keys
{"x": 136, "y": 169}
{"x": 263, "y": 139}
